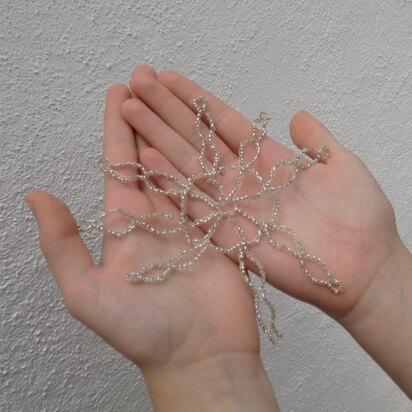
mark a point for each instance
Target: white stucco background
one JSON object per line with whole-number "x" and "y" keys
{"x": 348, "y": 62}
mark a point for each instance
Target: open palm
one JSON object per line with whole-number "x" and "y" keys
{"x": 195, "y": 315}
{"x": 336, "y": 207}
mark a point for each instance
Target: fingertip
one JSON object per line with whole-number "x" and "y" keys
{"x": 307, "y": 131}
{"x": 144, "y": 68}
{"x": 35, "y": 198}
{"x": 118, "y": 89}
{"x": 299, "y": 118}
{"x": 129, "y": 108}
{"x": 115, "y": 96}
{"x": 141, "y": 71}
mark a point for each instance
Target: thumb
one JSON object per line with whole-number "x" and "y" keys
{"x": 65, "y": 252}
{"x": 306, "y": 131}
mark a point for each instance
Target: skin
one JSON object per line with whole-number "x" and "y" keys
{"x": 195, "y": 337}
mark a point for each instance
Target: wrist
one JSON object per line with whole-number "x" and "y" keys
{"x": 381, "y": 321}
{"x": 224, "y": 382}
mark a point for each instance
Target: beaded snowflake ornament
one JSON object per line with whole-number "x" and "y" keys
{"x": 226, "y": 206}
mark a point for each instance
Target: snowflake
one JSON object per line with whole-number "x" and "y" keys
{"x": 228, "y": 206}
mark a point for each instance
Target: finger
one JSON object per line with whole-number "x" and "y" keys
{"x": 231, "y": 126}
{"x": 65, "y": 252}
{"x": 171, "y": 110}
{"x": 143, "y": 68}
{"x": 160, "y": 136}
{"x": 119, "y": 146}
{"x": 141, "y": 145}
{"x": 306, "y": 131}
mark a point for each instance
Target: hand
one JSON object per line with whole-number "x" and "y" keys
{"x": 336, "y": 208}
{"x": 189, "y": 333}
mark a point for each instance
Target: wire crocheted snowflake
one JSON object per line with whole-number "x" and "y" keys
{"x": 225, "y": 206}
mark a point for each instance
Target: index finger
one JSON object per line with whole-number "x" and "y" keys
{"x": 119, "y": 146}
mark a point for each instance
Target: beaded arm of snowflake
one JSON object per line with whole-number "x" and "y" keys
{"x": 227, "y": 206}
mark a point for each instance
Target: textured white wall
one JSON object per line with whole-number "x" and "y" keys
{"x": 348, "y": 62}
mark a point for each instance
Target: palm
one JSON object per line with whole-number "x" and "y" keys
{"x": 342, "y": 216}
{"x": 203, "y": 311}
